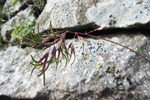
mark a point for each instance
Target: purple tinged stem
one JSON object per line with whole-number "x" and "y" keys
{"x": 45, "y": 56}
{"x": 51, "y": 58}
{"x": 97, "y": 37}
{"x": 45, "y": 40}
{"x": 51, "y": 43}
{"x": 63, "y": 45}
{"x": 36, "y": 44}
{"x": 72, "y": 51}
{"x": 55, "y": 41}
{"x": 54, "y": 51}
{"x": 70, "y": 45}
{"x": 44, "y": 64}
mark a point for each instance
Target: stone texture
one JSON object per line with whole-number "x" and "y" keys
{"x": 75, "y": 14}
{"x": 40, "y": 4}
{"x": 19, "y": 19}
{"x": 103, "y": 71}
{"x": 10, "y": 10}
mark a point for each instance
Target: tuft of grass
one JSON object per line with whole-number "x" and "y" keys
{"x": 54, "y": 54}
{"x": 58, "y": 38}
{"x": 22, "y": 31}
{"x": 49, "y": 41}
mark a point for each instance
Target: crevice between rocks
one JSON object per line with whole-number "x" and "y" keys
{"x": 4, "y": 97}
{"x": 106, "y": 33}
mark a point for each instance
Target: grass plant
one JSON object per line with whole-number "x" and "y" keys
{"x": 54, "y": 54}
{"x": 58, "y": 38}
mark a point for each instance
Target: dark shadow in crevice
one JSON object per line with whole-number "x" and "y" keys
{"x": 39, "y": 98}
{"x": 4, "y": 97}
{"x": 105, "y": 33}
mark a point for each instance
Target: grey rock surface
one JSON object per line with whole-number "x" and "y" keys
{"x": 19, "y": 19}
{"x": 10, "y": 9}
{"x": 40, "y": 4}
{"x": 103, "y": 71}
{"x": 76, "y": 14}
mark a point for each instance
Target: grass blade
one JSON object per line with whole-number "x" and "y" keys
{"x": 143, "y": 52}
{"x": 33, "y": 59}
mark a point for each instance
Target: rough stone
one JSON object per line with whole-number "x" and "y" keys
{"x": 75, "y": 14}
{"x": 40, "y": 4}
{"x": 19, "y": 19}
{"x": 9, "y": 10}
{"x": 103, "y": 71}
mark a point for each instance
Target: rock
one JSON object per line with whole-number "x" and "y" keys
{"x": 19, "y": 19}
{"x": 11, "y": 9}
{"x": 63, "y": 14}
{"x": 118, "y": 13}
{"x": 40, "y": 4}
{"x": 76, "y": 14}
{"x": 103, "y": 71}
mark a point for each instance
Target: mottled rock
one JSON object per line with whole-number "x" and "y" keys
{"x": 40, "y": 4}
{"x": 10, "y": 9}
{"x": 118, "y": 13}
{"x": 103, "y": 71}
{"x": 75, "y": 14}
{"x": 19, "y": 19}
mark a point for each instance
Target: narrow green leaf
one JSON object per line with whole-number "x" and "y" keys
{"x": 23, "y": 25}
{"x": 24, "y": 32}
{"x": 39, "y": 46}
{"x": 13, "y": 2}
{"x": 59, "y": 35}
{"x": 33, "y": 23}
{"x": 19, "y": 37}
{"x": 31, "y": 40}
{"x": 51, "y": 28}
{"x": 73, "y": 60}
{"x": 44, "y": 69}
{"x": 14, "y": 33}
{"x": 33, "y": 59}
{"x": 63, "y": 55}
{"x": 33, "y": 70}
{"x": 57, "y": 62}
{"x": 36, "y": 38}
{"x": 143, "y": 52}
{"x": 44, "y": 78}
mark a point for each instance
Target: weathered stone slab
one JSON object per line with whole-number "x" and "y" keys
{"x": 75, "y": 14}
{"x": 11, "y": 8}
{"x": 102, "y": 71}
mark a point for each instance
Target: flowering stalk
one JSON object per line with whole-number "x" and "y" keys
{"x": 66, "y": 52}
